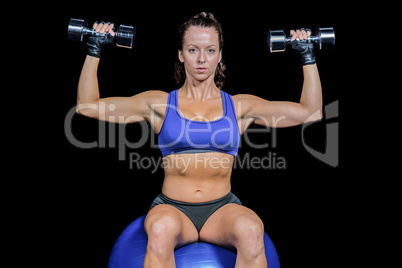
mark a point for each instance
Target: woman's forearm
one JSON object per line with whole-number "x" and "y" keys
{"x": 311, "y": 97}
{"x": 88, "y": 88}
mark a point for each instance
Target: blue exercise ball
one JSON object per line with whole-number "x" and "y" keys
{"x": 130, "y": 248}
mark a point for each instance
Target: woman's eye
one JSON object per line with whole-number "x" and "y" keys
{"x": 192, "y": 50}
{"x": 211, "y": 50}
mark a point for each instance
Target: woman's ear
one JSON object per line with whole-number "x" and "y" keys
{"x": 180, "y": 56}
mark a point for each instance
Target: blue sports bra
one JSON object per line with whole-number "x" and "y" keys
{"x": 181, "y": 135}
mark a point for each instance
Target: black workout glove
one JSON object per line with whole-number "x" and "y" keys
{"x": 97, "y": 42}
{"x": 306, "y": 49}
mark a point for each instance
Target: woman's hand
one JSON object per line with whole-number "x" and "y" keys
{"x": 301, "y": 34}
{"x": 303, "y": 46}
{"x": 104, "y": 27}
{"x": 105, "y": 37}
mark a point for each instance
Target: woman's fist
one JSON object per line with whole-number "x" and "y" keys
{"x": 104, "y": 37}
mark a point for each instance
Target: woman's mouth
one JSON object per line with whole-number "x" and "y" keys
{"x": 201, "y": 69}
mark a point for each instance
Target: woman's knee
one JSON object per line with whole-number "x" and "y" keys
{"x": 161, "y": 225}
{"x": 249, "y": 232}
{"x": 163, "y": 230}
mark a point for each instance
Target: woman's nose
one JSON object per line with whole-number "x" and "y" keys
{"x": 201, "y": 58}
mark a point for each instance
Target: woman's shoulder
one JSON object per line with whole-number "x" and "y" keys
{"x": 155, "y": 93}
{"x": 244, "y": 97}
{"x": 154, "y": 96}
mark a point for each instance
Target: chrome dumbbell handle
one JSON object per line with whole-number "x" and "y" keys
{"x": 310, "y": 38}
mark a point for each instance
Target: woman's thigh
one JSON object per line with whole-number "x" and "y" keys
{"x": 165, "y": 222}
{"x": 230, "y": 224}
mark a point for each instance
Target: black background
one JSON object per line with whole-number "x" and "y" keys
{"x": 92, "y": 196}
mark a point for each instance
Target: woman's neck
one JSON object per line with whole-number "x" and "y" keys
{"x": 199, "y": 91}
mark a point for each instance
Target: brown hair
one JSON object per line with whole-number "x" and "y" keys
{"x": 206, "y": 20}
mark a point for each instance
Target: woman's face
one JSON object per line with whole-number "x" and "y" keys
{"x": 200, "y": 53}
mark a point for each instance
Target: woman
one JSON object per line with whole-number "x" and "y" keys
{"x": 200, "y": 126}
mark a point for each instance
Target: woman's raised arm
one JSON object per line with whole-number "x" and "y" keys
{"x": 114, "y": 109}
{"x": 282, "y": 113}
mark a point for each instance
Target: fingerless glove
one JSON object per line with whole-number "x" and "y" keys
{"x": 306, "y": 49}
{"x": 97, "y": 42}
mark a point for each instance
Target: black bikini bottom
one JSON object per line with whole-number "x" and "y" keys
{"x": 198, "y": 213}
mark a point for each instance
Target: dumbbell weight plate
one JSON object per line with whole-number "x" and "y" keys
{"x": 276, "y": 40}
{"x": 326, "y": 40}
{"x": 125, "y": 36}
{"x": 75, "y": 27}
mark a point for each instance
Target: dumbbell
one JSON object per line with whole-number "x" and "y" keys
{"x": 78, "y": 31}
{"x": 324, "y": 40}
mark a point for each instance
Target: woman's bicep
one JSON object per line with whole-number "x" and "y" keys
{"x": 114, "y": 110}
{"x": 123, "y": 109}
{"x": 117, "y": 109}
{"x": 279, "y": 114}
{"x": 272, "y": 113}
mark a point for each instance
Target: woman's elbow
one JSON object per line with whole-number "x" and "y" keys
{"x": 312, "y": 117}
{"x": 87, "y": 109}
